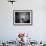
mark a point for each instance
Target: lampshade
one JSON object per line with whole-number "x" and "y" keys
{"x": 12, "y": 1}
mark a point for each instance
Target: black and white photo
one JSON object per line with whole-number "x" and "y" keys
{"x": 22, "y": 16}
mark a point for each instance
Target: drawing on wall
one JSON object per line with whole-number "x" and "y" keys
{"x": 22, "y": 17}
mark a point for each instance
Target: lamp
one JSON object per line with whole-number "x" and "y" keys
{"x": 12, "y": 1}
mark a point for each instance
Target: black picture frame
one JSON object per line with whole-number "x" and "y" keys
{"x": 19, "y": 15}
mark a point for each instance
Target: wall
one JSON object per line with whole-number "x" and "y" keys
{"x": 37, "y": 31}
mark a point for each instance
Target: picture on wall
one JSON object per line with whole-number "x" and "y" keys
{"x": 22, "y": 17}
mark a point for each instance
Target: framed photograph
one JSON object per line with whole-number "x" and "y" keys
{"x": 22, "y": 17}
